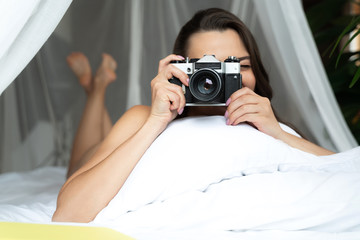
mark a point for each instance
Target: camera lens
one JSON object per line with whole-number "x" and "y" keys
{"x": 208, "y": 84}
{"x": 205, "y": 84}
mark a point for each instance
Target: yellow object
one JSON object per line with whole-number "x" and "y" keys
{"x": 33, "y": 231}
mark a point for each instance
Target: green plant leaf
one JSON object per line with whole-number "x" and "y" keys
{"x": 348, "y": 29}
{"x": 345, "y": 45}
{"x": 355, "y": 78}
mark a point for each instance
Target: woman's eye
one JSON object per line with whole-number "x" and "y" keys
{"x": 245, "y": 66}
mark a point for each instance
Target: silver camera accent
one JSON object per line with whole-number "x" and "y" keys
{"x": 211, "y": 81}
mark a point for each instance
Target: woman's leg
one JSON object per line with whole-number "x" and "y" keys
{"x": 95, "y": 122}
{"x": 106, "y": 72}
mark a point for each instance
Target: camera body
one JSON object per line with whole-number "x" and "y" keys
{"x": 211, "y": 82}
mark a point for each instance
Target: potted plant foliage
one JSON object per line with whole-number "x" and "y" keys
{"x": 335, "y": 26}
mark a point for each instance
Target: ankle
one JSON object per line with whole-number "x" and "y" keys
{"x": 97, "y": 93}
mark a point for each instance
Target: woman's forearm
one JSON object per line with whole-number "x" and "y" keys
{"x": 303, "y": 144}
{"x": 85, "y": 195}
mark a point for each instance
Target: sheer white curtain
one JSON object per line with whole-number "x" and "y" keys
{"x": 44, "y": 104}
{"x": 25, "y": 26}
{"x": 297, "y": 74}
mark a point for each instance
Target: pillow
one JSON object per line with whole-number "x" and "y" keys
{"x": 192, "y": 153}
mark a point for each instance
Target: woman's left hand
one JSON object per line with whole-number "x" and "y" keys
{"x": 245, "y": 105}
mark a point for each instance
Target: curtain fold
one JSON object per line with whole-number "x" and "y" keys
{"x": 293, "y": 50}
{"x": 25, "y": 26}
{"x": 136, "y": 30}
{"x": 41, "y": 109}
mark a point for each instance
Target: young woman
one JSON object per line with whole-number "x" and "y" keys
{"x": 98, "y": 177}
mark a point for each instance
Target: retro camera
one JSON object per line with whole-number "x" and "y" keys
{"x": 211, "y": 82}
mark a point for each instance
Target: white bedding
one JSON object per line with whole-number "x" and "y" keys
{"x": 241, "y": 184}
{"x": 30, "y": 196}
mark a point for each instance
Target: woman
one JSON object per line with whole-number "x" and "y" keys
{"x": 214, "y": 31}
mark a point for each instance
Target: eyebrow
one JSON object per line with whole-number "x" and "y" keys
{"x": 243, "y": 58}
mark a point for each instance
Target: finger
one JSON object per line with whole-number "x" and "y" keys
{"x": 165, "y": 61}
{"x": 242, "y": 100}
{"x": 241, "y": 92}
{"x": 161, "y": 83}
{"x": 170, "y": 93}
{"x": 182, "y": 101}
{"x": 246, "y": 118}
{"x": 233, "y": 118}
{"x": 174, "y": 100}
{"x": 172, "y": 71}
{"x": 177, "y": 101}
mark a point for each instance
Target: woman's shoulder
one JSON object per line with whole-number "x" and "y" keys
{"x": 130, "y": 121}
{"x": 140, "y": 112}
{"x": 140, "y": 109}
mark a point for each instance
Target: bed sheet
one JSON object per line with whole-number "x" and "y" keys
{"x": 31, "y": 197}
{"x": 278, "y": 193}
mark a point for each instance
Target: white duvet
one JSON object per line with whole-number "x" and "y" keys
{"x": 202, "y": 179}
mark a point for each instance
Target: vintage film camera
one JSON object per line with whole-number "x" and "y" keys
{"x": 211, "y": 81}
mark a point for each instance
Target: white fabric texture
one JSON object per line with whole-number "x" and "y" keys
{"x": 315, "y": 99}
{"x": 222, "y": 181}
{"x": 25, "y": 26}
{"x": 198, "y": 152}
{"x": 30, "y": 196}
{"x": 45, "y": 102}
{"x": 272, "y": 192}
{"x": 203, "y": 145}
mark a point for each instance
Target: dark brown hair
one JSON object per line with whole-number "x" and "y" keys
{"x": 220, "y": 20}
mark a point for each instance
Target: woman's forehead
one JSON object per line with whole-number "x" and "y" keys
{"x": 219, "y": 43}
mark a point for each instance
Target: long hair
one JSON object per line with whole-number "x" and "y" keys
{"x": 215, "y": 19}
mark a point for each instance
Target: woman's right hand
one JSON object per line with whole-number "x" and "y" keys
{"x": 168, "y": 99}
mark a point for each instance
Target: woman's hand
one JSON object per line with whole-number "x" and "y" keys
{"x": 166, "y": 61}
{"x": 245, "y": 105}
{"x": 168, "y": 99}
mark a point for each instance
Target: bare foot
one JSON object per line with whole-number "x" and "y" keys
{"x": 79, "y": 64}
{"x": 106, "y": 72}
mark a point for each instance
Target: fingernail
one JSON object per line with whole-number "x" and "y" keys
{"x": 181, "y": 111}
{"x": 226, "y": 114}
{"x": 181, "y": 57}
{"x": 188, "y": 80}
{"x": 228, "y": 102}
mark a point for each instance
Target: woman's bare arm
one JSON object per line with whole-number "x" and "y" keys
{"x": 91, "y": 188}
{"x": 303, "y": 144}
{"x": 246, "y": 106}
